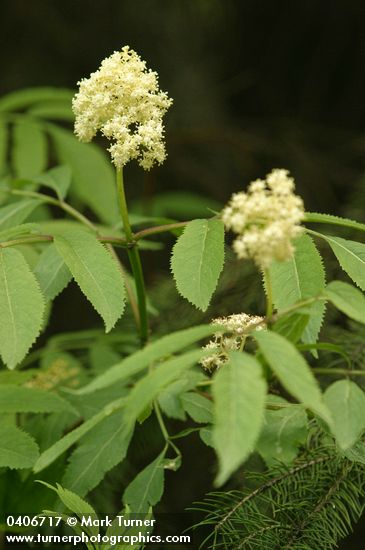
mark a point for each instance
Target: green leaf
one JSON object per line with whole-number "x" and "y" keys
{"x": 291, "y": 326}
{"x": 29, "y": 149}
{"x": 20, "y": 399}
{"x": 75, "y": 504}
{"x": 147, "y": 487}
{"x": 3, "y": 146}
{"x": 170, "y": 398}
{"x": 18, "y": 231}
{"x": 206, "y": 435}
{"x": 197, "y": 260}
{"x": 351, "y": 256}
{"x": 198, "y": 407}
{"x": 15, "y": 213}
{"x": 239, "y": 391}
{"x": 140, "y": 360}
{"x": 292, "y": 371}
{"x": 51, "y": 272}
{"x": 95, "y": 271}
{"x": 333, "y": 220}
{"x": 58, "y": 179}
{"x": 356, "y": 453}
{"x": 54, "y": 110}
{"x": 56, "y": 450}
{"x": 21, "y": 99}
{"x": 148, "y": 387}
{"x": 347, "y": 299}
{"x": 17, "y": 448}
{"x": 93, "y": 177}
{"x": 100, "y": 450}
{"x": 346, "y": 401}
{"x": 300, "y": 278}
{"x": 21, "y": 307}
{"x": 283, "y": 431}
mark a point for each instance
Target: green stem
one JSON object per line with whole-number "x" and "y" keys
{"x": 56, "y": 202}
{"x": 269, "y": 297}
{"x": 134, "y": 259}
{"x": 342, "y": 372}
{"x": 163, "y": 429}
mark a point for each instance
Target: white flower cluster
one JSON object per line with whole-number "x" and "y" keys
{"x": 122, "y": 99}
{"x": 266, "y": 219}
{"x": 237, "y": 328}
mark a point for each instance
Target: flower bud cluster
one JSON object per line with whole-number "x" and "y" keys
{"x": 122, "y": 99}
{"x": 236, "y": 329}
{"x": 266, "y": 219}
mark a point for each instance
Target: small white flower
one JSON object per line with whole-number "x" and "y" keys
{"x": 238, "y": 327}
{"x": 123, "y": 101}
{"x": 266, "y": 219}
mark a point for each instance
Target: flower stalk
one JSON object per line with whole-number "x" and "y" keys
{"x": 134, "y": 259}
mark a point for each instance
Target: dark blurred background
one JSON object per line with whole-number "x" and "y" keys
{"x": 256, "y": 85}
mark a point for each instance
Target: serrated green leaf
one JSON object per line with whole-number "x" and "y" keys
{"x": 75, "y": 504}
{"x": 93, "y": 177}
{"x": 197, "y": 260}
{"x": 351, "y": 256}
{"x": 29, "y": 149}
{"x": 51, "y": 272}
{"x": 21, "y": 99}
{"x": 346, "y": 402}
{"x": 148, "y": 387}
{"x": 3, "y": 146}
{"x": 52, "y": 453}
{"x": 292, "y": 371}
{"x": 291, "y": 326}
{"x": 147, "y": 487}
{"x": 198, "y": 407}
{"x": 17, "y": 448}
{"x": 58, "y": 179}
{"x": 283, "y": 431}
{"x": 300, "y": 278}
{"x": 95, "y": 271}
{"x": 20, "y": 399}
{"x": 140, "y": 360}
{"x": 356, "y": 453}
{"x": 239, "y": 391}
{"x": 15, "y": 213}
{"x": 348, "y": 299}
{"x": 16, "y": 377}
{"x": 333, "y": 220}
{"x": 18, "y": 231}
{"x": 100, "y": 450}
{"x": 21, "y": 307}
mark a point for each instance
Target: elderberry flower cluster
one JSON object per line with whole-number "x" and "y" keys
{"x": 236, "y": 329}
{"x": 266, "y": 219}
{"x": 122, "y": 99}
